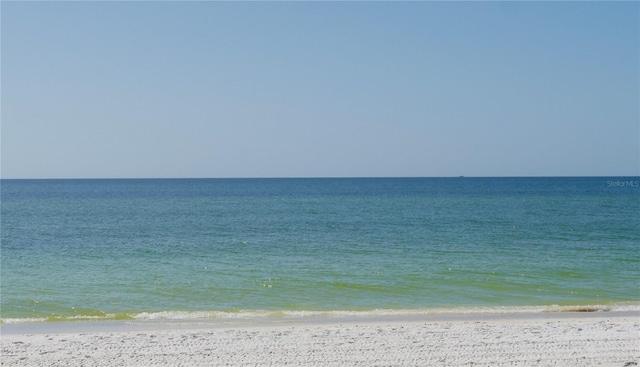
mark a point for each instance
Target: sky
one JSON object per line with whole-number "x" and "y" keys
{"x": 319, "y": 89}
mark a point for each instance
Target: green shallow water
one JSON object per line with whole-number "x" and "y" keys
{"x": 120, "y": 249}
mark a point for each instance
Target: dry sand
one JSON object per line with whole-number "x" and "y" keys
{"x": 569, "y": 340}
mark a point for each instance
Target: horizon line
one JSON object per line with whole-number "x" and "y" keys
{"x": 303, "y": 177}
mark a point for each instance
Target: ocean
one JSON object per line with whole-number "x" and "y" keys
{"x": 191, "y": 249}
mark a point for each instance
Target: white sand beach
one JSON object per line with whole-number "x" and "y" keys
{"x": 566, "y": 340}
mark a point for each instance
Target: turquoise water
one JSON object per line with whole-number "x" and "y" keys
{"x": 217, "y": 248}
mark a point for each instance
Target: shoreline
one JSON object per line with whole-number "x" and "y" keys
{"x": 98, "y": 326}
{"x": 259, "y": 315}
{"x": 562, "y": 339}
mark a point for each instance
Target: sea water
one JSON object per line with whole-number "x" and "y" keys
{"x": 221, "y": 248}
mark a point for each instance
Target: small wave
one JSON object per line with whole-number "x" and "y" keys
{"x": 25, "y": 320}
{"x": 249, "y": 315}
{"x": 185, "y": 315}
{"x": 268, "y": 314}
{"x": 63, "y": 318}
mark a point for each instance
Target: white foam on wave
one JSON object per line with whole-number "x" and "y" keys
{"x": 293, "y": 314}
{"x": 58, "y": 318}
{"x": 22, "y": 320}
{"x": 186, "y": 315}
{"x": 267, "y": 314}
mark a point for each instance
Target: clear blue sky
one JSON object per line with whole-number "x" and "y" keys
{"x": 279, "y": 89}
